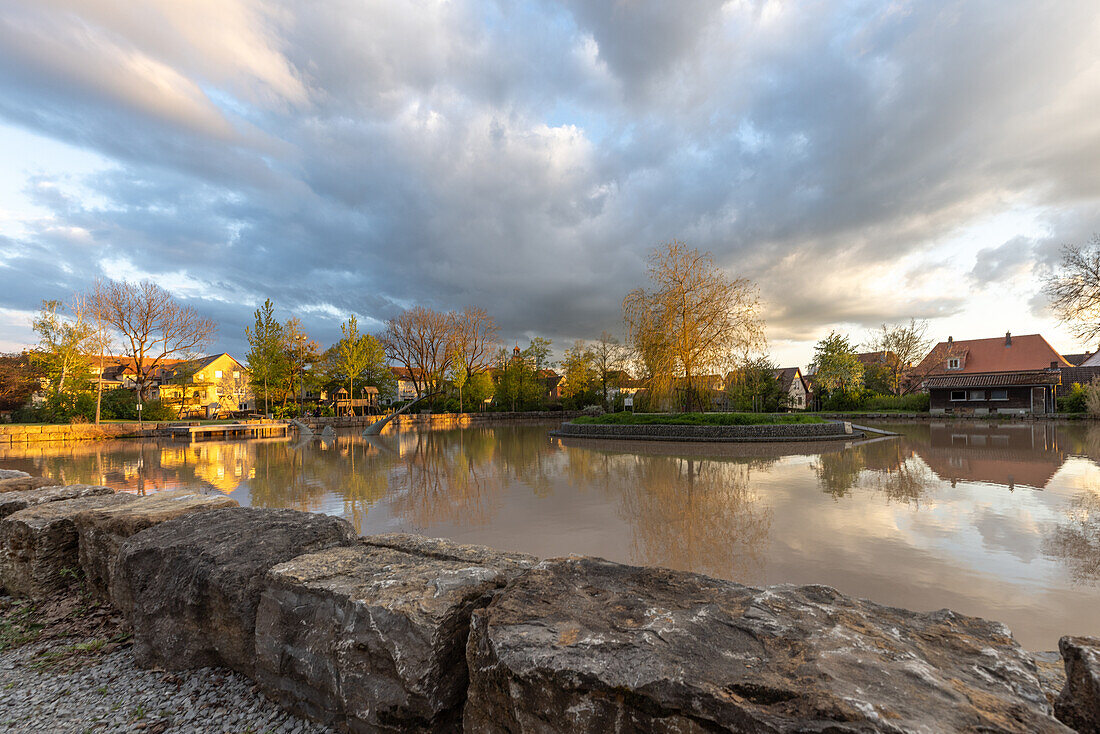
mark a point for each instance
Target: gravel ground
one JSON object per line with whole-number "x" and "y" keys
{"x": 97, "y": 692}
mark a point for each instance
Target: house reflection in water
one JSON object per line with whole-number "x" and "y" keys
{"x": 1009, "y": 454}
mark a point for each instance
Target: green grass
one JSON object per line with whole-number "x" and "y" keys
{"x": 696, "y": 419}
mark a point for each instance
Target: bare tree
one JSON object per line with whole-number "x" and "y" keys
{"x": 421, "y": 340}
{"x": 693, "y": 320}
{"x": 474, "y": 344}
{"x": 903, "y": 346}
{"x": 153, "y": 326}
{"x": 609, "y": 361}
{"x": 1074, "y": 290}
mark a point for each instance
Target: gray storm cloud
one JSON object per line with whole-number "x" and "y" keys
{"x": 356, "y": 157}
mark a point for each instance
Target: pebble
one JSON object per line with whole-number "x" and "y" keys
{"x": 111, "y": 694}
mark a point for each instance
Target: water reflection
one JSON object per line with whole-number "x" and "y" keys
{"x": 1001, "y": 520}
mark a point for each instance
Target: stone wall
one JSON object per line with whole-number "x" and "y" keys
{"x": 24, "y": 434}
{"x": 656, "y": 432}
{"x": 401, "y": 633}
{"x": 443, "y": 420}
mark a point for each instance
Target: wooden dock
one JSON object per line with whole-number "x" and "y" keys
{"x": 231, "y": 430}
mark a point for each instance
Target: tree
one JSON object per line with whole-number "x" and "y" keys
{"x": 902, "y": 345}
{"x": 152, "y": 325}
{"x": 352, "y": 354}
{"x": 301, "y": 353}
{"x": 753, "y": 387}
{"x": 517, "y": 379}
{"x": 421, "y": 340}
{"x": 1074, "y": 289}
{"x": 836, "y": 367}
{"x": 609, "y": 362}
{"x": 20, "y": 378}
{"x": 578, "y": 364}
{"x": 693, "y": 320}
{"x": 61, "y": 343}
{"x": 268, "y": 366}
{"x": 475, "y": 340}
{"x": 98, "y": 346}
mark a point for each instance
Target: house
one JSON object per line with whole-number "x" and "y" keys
{"x": 1078, "y": 360}
{"x": 794, "y": 386}
{"x": 406, "y": 387}
{"x": 1009, "y": 375}
{"x": 205, "y": 387}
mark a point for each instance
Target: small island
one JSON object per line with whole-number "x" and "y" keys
{"x": 707, "y": 427}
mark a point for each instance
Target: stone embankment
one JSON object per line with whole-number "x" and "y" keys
{"x": 832, "y": 430}
{"x": 404, "y": 633}
{"x": 442, "y": 420}
{"x": 17, "y": 435}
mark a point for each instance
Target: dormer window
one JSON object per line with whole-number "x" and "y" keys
{"x": 954, "y": 363}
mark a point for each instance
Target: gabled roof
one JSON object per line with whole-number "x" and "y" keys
{"x": 1009, "y": 353}
{"x": 1077, "y": 359}
{"x": 786, "y": 377}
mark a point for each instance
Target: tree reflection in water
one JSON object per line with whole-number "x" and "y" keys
{"x": 1077, "y": 541}
{"x": 692, "y": 514}
{"x": 887, "y": 466}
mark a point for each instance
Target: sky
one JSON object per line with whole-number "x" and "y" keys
{"x": 862, "y": 162}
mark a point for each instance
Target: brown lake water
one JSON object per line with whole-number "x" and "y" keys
{"x": 1000, "y": 521}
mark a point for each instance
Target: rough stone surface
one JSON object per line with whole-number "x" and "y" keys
{"x": 21, "y": 484}
{"x": 1079, "y": 704}
{"x": 38, "y": 543}
{"x": 192, "y": 583}
{"x": 103, "y": 531}
{"x": 372, "y": 638}
{"x": 585, "y": 645}
{"x": 12, "y": 474}
{"x": 448, "y": 550}
{"x": 11, "y": 502}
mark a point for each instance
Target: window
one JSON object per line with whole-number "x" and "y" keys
{"x": 954, "y": 363}
{"x": 998, "y": 394}
{"x": 958, "y": 394}
{"x": 977, "y": 394}
{"x": 198, "y": 377}
{"x": 236, "y": 375}
{"x": 217, "y": 374}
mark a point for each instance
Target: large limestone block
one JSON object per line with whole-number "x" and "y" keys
{"x": 192, "y": 583}
{"x": 104, "y": 530}
{"x": 12, "y": 474}
{"x": 21, "y": 484}
{"x": 585, "y": 645}
{"x": 11, "y": 502}
{"x": 1079, "y": 703}
{"x": 448, "y": 550}
{"x": 372, "y": 638}
{"x": 39, "y": 545}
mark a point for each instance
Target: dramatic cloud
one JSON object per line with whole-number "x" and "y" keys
{"x": 864, "y": 162}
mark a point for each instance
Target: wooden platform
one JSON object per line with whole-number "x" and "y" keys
{"x": 230, "y": 430}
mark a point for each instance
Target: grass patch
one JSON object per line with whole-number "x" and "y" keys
{"x": 19, "y": 625}
{"x": 697, "y": 419}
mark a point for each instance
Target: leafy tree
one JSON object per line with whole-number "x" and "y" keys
{"x": 695, "y": 319}
{"x": 837, "y": 370}
{"x": 268, "y": 365}
{"x": 61, "y": 340}
{"x": 301, "y": 353}
{"x": 518, "y": 385}
{"x": 754, "y": 388}
{"x": 479, "y": 388}
{"x": 20, "y": 378}
{"x": 580, "y": 376}
{"x": 880, "y": 379}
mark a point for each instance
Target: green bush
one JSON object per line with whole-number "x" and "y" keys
{"x": 1074, "y": 401}
{"x": 697, "y": 419}
{"x": 155, "y": 410}
{"x": 912, "y": 403}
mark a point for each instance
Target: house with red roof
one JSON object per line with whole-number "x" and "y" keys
{"x": 1011, "y": 375}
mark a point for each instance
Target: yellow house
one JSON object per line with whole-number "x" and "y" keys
{"x": 206, "y": 387}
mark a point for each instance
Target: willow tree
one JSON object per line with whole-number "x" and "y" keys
{"x": 693, "y": 320}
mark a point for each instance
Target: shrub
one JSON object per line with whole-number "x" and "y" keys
{"x": 593, "y": 410}
{"x": 1076, "y": 401}
{"x": 913, "y": 403}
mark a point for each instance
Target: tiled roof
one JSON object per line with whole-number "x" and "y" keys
{"x": 1076, "y": 359}
{"x": 1027, "y": 352}
{"x": 995, "y": 379}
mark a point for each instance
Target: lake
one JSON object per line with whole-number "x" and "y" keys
{"x": 996, "y": 520}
